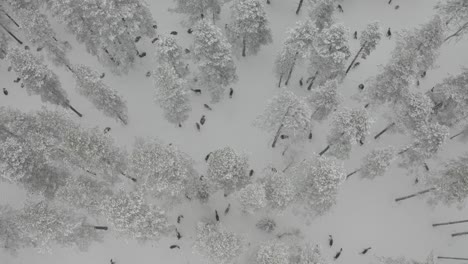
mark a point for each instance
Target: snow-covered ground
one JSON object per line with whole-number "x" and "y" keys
{"x": 365, "y": 215}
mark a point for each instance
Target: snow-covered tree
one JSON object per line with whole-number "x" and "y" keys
{"x": 249, "y": 30}
{"x": 130, "y": 215}
{"x": 172, "y": 93}
{"x": 286, "y": 114}
{"x": 279, "y": 189}
{"x": 428, "y": 140}
{"x": 198, "y": 9}
{"x": 321, "y": 13}
{"x": 307, "y": 254}
{"x": 85, "y": 193}
{"x": 451, "y": 183}
{"x": 227, "y": 170}
{"x": 104, "y": 98}
{"x": 370, "y": 38}
{"x": 135, "y": 16}
{"x": 164, "y": 170}
{"x": 324, "y": 100}
{"x": 296, "y": 48}
{"x": 377, "y": 161}
{"x": 169, "y": 52}
{"x": 252, "y": 197}
{"x": 454, "y": 14}
{"x": 45, "y": 224}
{"x": 329, "y": 55}
{"x": 317, "y": 182}
{"x": 451, "y": 99}
{"x": 266, "y": 224}
{"x": 272, "y": 252}
{"x": 38, "y": 78}
{"x": 415, "y": 53}
{"x": 217, "y": 244}
{"x": 212, "y": 53}
{"x": 10, "y": 237}
{"x": 349, "y": 126}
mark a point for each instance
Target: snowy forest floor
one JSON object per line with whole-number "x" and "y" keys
{"x": 365, "y": 215}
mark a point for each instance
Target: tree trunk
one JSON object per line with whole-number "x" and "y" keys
{"x": 243, "y": 47}
{"x": 280, "y": 79}
{"x": 74, "y": 110}
{"x": 312, "y": 81}
{"x": 11, "y": 34}
{"x": 464, "y": 26}
{"x": 299, "y": 7}
{"x": 450, "y": 223}
{"x": 100, "y": 227}
{"x": 355, "y": 58}
{"x": 324, "y": 150}
{"x": 12, "y": 20}
{"x": 456, "y": 135}
{"x": 276, "y": 136}
{"x": 70, "y": 68}
{"x": 122, "y": 120}
{"x": 352, "y": 173}
{"x": 413, "y": 195}
{"x": 452, "y": 258}
{"x": 459, "y": 234}
{"x": 291, "y": 70}
{"x": 384, "y": 130}
{"x": 128, "y": 177}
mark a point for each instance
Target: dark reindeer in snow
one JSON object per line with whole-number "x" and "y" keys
{"x": 207, "y": 107}
{"x": 337, "y": 255}
{"x": 197, "y": 91}
{"x": 174, "y": 246}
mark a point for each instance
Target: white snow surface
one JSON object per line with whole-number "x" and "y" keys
{"x": 365, "y": 215}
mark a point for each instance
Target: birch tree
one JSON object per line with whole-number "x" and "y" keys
{"x": 129, "y": 214}
{"x": 286, "y": 114}
{"x": 349, "y": 126}
{"x": 217, "y": 244}
{"x": 324, "y": 100}
{"x": 227, "y": 170}
{"x": 249, "y": 30}
{"x": 38, "y": 78}
{"x": 104, "y": 98}
{"x": 252, "y": 198}
{"x": 172, "y": 94}
{"x": 212, "y": 53}
{"x": 370, "y": 38}
{"x": 318, "y": 180}
{"x": 198, "y": 9}
{"x": 164, "y": 170}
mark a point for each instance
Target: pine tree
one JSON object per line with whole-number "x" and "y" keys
{"x": 322, "y": 13}
{"x": 249, "y": 30}
{"x": 349, "y": 126}
{"x": 129, "y": 214}
{"x": 451, "y": 99}
{"x": 296, "y": 48}
{"x": 279, "y": 189}
{"x": 369, "y": 39}
{"x": 377, "y": 161}
{"x": 324, "y": 100}
{"x": 318, "y": 180}
{"x": 286, "y": 114}
{"x": 454, "y": 14}
{"x": 38, "y": 78}
{"x": 196, "y": 9}
{"x": 104, "y": 98}
{"x": 212, "y": 53}
{"x": 217, "y": 244}
{"x": 451, "y": 183}
{"x": 44, "y": 225}
{"x": 169, "y": 52}
{"x": 272, "y": 252}
{"x": 252, "y": 198}
{"x": 329, "y": 54}
{"x": 136, "y": 17}
{"x": 165, "y": 171}
{"x": 172, "y": 93}
{"x": 227, "y": 170}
